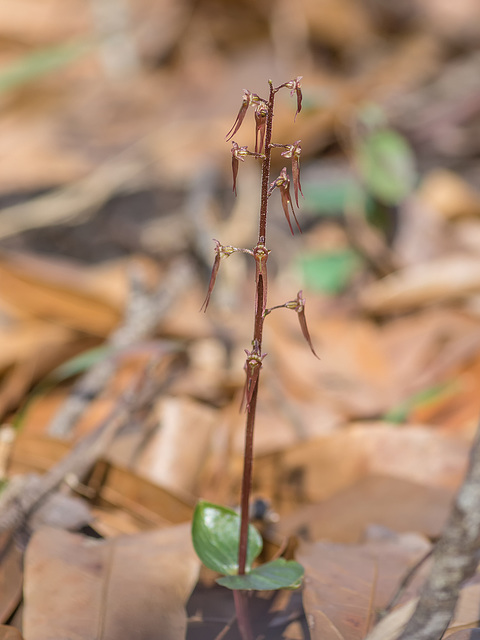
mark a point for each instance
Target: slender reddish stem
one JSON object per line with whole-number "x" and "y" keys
{"x": 260, "y": 254}
{"x": 241, "y": 610}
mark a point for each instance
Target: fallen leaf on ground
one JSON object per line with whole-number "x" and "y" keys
{"x": 465, "y": 634}
{"x": 442, "y": 280}
{"x": 130, "y": 586}
{"x": 448, "y": 195}
{"x": 466, "y": 616}
{"x": 63, "y": 292}
{"x": 316, "y": 469}
{"x": 346, "y": 585}
{"x": 394, "y": 503}
{"x": 169, "y": 460}
{"x": 10, "y": 633}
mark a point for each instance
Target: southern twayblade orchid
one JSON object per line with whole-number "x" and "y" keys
{"x": 254, "y": 358}
{"x": 283, "y": 183}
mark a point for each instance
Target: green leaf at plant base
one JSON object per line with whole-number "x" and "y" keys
{"x": 215, "y": 536}
{"x": 278, "y": 574}
{"x": 387, "y": 165}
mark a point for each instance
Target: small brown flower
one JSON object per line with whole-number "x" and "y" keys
{"x": 248, "y": 99}
{"x": 293, "y": 151}
{"x": 283, "y": 183}
{"x": 253, "y": 365}
{"x": 261, "y": 112}
{"x": 298, "y": 305}
{"x": 238, "y": 153}
{"x": 221, "y": 251}
{"x": 295, "y": 87}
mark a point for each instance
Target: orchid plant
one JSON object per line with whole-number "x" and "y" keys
{"x": 223, "y": 540}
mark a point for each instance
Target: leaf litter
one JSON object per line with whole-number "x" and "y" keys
{"x": 372, "y": 438}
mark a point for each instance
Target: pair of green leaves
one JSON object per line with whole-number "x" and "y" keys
{"x": 215, "y": 535}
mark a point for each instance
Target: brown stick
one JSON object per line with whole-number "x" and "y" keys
{"x": 455, "y": 559}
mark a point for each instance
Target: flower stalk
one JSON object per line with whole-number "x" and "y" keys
{"x": 264, "y": 113}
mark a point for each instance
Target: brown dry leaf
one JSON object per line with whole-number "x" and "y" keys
{"x": 465, "y": 235}
{"x": 422, "y": 234}
{"x": 448, "y": 195}
{"x": 31, "y": 341}
{"x": 317, "y": 469}
{"x": 353, "y": 375}
{"x": 427, "y": 347}
{"x": 346, "y": 585}
{"x": 130, "y": 586}
{"x": 141, "y": 498}
{"x": 87, "y": 299}
{"x": 456, "y": 409}
{"x": 145, "y": 503}
{"x": 9, "y": 633}
{"x": 36, "y": 452}
{"x": 465, "y": 634}
{"x": 397, "y": 504}
{"x": 391, "y": 626}
{"x": 36, "y": 159}
{"x": 40, "y": 348}
{"x": 466, "y": 616}
{"x": 442, "y": 280}
{"x": 458, "y": 21}
{"x": 48, "y": 20}
{"x": 176, "y": 454}
{"x": 11, "y": 577}
{"x": 339, "y": 23}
